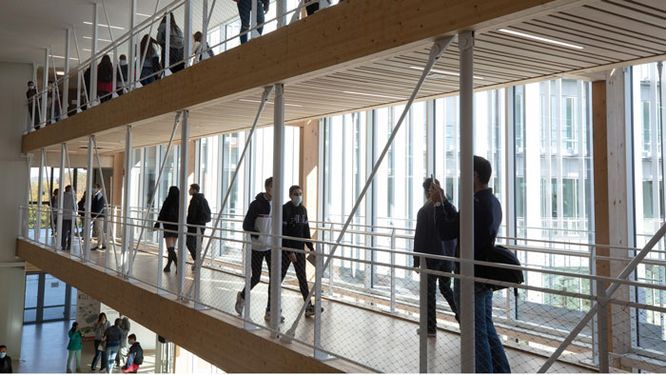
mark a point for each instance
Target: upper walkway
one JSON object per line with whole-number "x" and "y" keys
{"x": 366, "y": 53}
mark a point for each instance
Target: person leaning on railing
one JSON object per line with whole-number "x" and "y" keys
{"x": 489, "y": 351}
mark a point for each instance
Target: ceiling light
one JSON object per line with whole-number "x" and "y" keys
{"x": 373, "y": 95}
{"x": 445, "y": 72}
{"x": 99, "y": 39}
{"x": 63, "y": 57}
{"x": 540, "y": 38}
{"x": 267, "y": 102}
{"x": 142, "y": 14}
{"x": 103, "y": 25}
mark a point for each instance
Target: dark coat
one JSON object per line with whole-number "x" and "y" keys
{"x": 295, "y": 224}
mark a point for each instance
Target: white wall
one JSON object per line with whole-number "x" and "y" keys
{"x": 13, "y": 188}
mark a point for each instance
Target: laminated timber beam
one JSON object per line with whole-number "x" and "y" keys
{"x": 217, "y": 338}
{"x": 353, "y": 32}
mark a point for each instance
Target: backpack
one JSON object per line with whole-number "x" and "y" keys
{"x": 502, "y": 255}
{"x": 138, "y": 358}
{"x": 205, "y": 211}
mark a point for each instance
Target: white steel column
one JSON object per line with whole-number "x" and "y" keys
{"x": 276, "y": 209}
{"x": 127, "y": 185}
{"x": 40, "y": 193}
{"x": 281, "y": 10}
{"x": 182, "y": 214}
{"x": 131, "y": 63}
{"x": 466, "y": 46}
{"x": 252, "y": 33}
{"x": 61, "y": 195}
{"x": 88, "y": 202}
{"x": 45, "y": 85}
{"x": 204, "y": 29}
{"x": 65, "y": 81}
{"x": 93, "y": 61}
{"x": 187, "y": 30}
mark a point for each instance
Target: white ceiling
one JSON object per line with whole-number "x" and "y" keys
{"x": 29, "y": 26}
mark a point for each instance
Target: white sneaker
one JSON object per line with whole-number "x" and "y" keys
{"x": 240, "y": 303}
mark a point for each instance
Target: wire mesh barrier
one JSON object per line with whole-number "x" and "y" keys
{"x": 373, "y": 301}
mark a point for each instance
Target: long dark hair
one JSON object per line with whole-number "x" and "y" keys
{"x": 173, "y": 196}
{"x": 151, "y": 49}
{"x": 105, "y": 70}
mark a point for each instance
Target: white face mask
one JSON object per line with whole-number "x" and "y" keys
{"x": 2, "y": 354}
{"x": 297, "y": 200}
{"x": 123, "y": 62}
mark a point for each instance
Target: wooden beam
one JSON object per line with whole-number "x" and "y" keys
{"x": 217, "y": 338}
{"x": 353, "y": 32}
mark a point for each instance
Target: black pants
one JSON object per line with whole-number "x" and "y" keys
{"x": 445, "y": 289}
{"x": 299, "y": 267}
{"x": 99, "y": 354}
{"x": 66, "y": 239}
{"x": 312, "y": 8}
{"x": 244, "y": 10}
{"x": 191, "y": 241}
{"x": 256, "y": 263}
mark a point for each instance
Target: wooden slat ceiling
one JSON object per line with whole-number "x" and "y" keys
{"x": 611, "y": 32}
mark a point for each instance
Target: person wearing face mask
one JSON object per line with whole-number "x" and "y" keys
{"x": 98, "y": 206}
{"x": 295, "y": 224}
{"x": 33, "y": 101}
{"x": 5, "y": 361}
{"x": 121, "y": 75}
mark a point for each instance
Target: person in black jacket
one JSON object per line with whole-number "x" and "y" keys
{"x": 5, "y": 361}
{"x": 258, "y": 222}
{"x": 168, "y": 217}
{"x": 198, "y": 214}
{"x": 295, "y": 224}
{"x": 489, "y": 351}
{"x": 134, "y": 356}
{"x": 31, "y": 95}
{"x": 97, "y": 208}
{"x": 426, "y": 240}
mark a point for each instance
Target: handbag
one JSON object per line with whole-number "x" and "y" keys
{"x": 502, "y": 255}
{"x": 102, "y": 346}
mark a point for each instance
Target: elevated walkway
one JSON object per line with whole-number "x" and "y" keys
{"x": 366, "y": 53}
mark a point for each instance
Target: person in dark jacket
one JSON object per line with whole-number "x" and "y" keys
{"x": 5, "y": 361}
{"x": 427, "y": 241}
{"x": 105, "y": 79}
{"x": 112, "y": 337}
{"x": 489, "y": 351}
{"x": 176, "y": 43}
{"x": 33, "y": 101}
{"x": 295, "y": 224}
{"x": 258, "y": 222}
{"x": 198, "y": 214}
{"x": 168, "y": 218}
{"x": 134, "y": 356}
{"x": 244, "y": 10}
{"x": 122, "y": 77}
{"x": 97, "y": 208}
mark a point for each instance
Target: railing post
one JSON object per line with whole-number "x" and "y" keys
{"x": 167, "y": 46}
{"x": 87, "y": 219}
{"x": 65, "y": 81}
{"x": 330, "y": 267}
{"x": 392, "y": 303}
{"x": 127, "y": 186}
{"x": 40, "y": 193}
{"x": 187, "y": 30}
{"x": 276, "y": 210}
{"x": 423, "y": 317}
{"x": 247, "y": 265}
{"x": 198, "y": 262}
{"x": 252, "y": 33}
{"x": 93, "y": 58}
{"x": 160, "y": 259}
{"x": 319, "y": 272}
{"x": 131, "y": 58}
{"x": 182, "y": 217}
{"x": 45, "y": 85}
{"x": 602, "y": 327}
{"x": 61, "y": 195}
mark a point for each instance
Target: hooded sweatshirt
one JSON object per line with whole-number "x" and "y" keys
{"x": 258, "y": 219}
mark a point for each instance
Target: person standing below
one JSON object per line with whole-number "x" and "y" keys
{"x": 121, "y": 75}
{"x": 201, "y": 49}
{"x": 258, "y": 222}
{"x": 100, "y": 327}
{"x": 427, "y": 241}
{"x": 74, "y": 348}
{"x": 5, "y": 361}
{"x": 489, "y": 351}
{"x": 112, "y": 338}
{"x": 168, "y": 217}
{"x": 295, "y": 224}
{"x": 198, "y": 214}
{"x": 244, "y": 10}
{"x": 33, "y": 102}
{"x": 176, "y": 44}
{"x": 98, "y": 208}
{"x": 105, "y": 79}
{"x": 134, "y": 357}
{"x": 125, "y": 327}
{"x": 68, "y": 210}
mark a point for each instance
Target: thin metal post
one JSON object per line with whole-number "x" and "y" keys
{"x": 114, "y": 74}
{"x": 127, "y": 185}
{"x": 160, "y": 259}
{"x": 392, "y": 271}
{"x": 276, "y": 210}
{"x": 247, "y": 265}
{"x": 467, "y": 354}
{"x": 65, "y": 81}
{"x": 40, "y": 193}
{"x": 204, "y": 31}
{"x": 253, "y": 20}
{"x": 319, "y": 273}
{"x": 602, "y": 328}
{"x": 93, "y": 58}
{"x": 423, "y": 317}
{"x": 131, "y": 63}
{"x": 167, "y": 46}
{"x": 281, "y": 10}
{"x": 61, "y": 195}
{"x": 88, "y": 202}
{"x": 187, "y": 30}
{"x": 34, "y": 101}
{"x": 197, "y": 271}
{"x": 184, "y": 193}
{"x": 53, "y": 100}
{"x": 45, "y": 85}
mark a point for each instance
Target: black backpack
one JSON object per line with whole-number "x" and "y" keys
{"x": 138, "y": 358}
{"x": 205, "y": 211}
{"x": 502, "y": 255}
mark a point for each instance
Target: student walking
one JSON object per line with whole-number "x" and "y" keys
{"x": 295, "y": 224}
{"x": 427, "y": 241}
{"x": 33, "y": 102}
{"x": 112, "y": 338}
{"x": 122, "y": 76}
{"x": 68, "y": 210}
{"x": 244, "y": 10}
{"x": 74, "y": 348}
{"x": 100, "y": 327}
{"x": 176, "y": 43}
{"x": 489, "y": 351}
{"x": 125, "y": 327}
{"x": 151, "y": 60}
{"x": 5, "y": 361}
{"x": 258, "y": 222}
{"x": 168, "y": 218}
{"x": 134, "y": 357}
{"x": 200, "y": 48}
{"x": 98, "y": 208}
{"x": 105, "y": 79}
{"x": 198, "y": 214}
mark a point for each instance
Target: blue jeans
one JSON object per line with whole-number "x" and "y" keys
{"x": 244, "y": 10}
{"x": 111, "y": 352}
{"x": 489, "y": 353}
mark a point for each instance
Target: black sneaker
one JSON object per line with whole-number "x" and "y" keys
{"x": 310, "y": 311}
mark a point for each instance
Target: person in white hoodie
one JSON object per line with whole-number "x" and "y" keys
{"x": 258, "y": 222}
